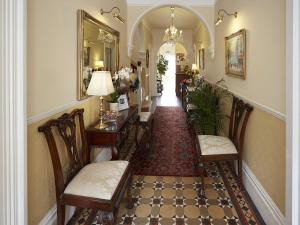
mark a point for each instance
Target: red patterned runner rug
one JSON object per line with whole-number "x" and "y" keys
{"x": 172, "y": 152}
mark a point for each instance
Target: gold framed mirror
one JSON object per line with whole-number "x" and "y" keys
{"x": 98, "y": 49}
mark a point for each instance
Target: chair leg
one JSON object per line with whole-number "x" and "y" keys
{"x": 240, "y": 171}
{"x": 130, "y": 202}
{"x": 202, "y": 180}
{"x": 60, "y": 214}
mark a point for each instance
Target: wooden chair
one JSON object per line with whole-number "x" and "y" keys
{"x": 146, "y": 122}
{"x": 218, "y": 148}
{"x": 96, "y": 186}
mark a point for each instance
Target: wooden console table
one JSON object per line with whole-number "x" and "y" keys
{"x": 119, "y": 133}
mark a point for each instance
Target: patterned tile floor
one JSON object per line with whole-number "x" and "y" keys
{"x": 177, "y": 200}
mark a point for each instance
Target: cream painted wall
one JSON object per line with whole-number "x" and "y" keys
{"x": 265, "y": 84}
{"x": 52, "y": 77}
{"x": 52, "y": 49}
{"x": 265, "y": 25}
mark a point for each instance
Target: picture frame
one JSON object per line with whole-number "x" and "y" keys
{"x": 235, "y": 54}
{"x": 123, "y": 102}
{"x": 201, "y": 59}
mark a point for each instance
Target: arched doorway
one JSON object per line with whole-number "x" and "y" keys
{"x": 176, "y": 55}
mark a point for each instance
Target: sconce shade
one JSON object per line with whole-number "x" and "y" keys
{"x": 194, "y": 67}
{"x": 99, "y": 64}
{"x": 100, "y": 84}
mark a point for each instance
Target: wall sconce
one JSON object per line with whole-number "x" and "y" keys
{"x": 221, "y": 14}
{"x": 115, "y": 11}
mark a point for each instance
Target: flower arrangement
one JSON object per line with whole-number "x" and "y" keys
{"x": 191, "y": 73}
{"x": 125, "y": 80}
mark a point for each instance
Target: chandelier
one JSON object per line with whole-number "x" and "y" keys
{"x": 105, "y": 36}
{"x": 172, "y": 34}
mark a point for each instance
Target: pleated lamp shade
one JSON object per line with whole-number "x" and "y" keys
{"x": 100, "y": 84}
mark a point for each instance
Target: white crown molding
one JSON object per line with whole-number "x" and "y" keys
{"x": 54, "y": 111}
{"x": 204, "y": 3}
{"x": 256, "y": 104}
{"x": 263, "y": 202}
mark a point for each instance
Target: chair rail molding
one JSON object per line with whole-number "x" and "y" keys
{"x": 293, "y": 112}
{"x": 13, "y": 141}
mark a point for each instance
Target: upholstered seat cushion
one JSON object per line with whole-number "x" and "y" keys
{"x": 97, "y": 180}
{"x": 216, "y": 145}
{"x": 145, "y": 116}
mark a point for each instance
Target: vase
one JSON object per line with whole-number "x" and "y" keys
{"x": 114, "y": 106}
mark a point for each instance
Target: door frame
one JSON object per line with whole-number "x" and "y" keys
{"x": 292, "y": 112}
{"x": 13, "y": 126}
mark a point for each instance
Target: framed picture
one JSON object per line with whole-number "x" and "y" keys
{"x": 123, "y": 102}
{"x": 235, "y": 54}
{"x": 180, "y": 57}
{"x": 201, "y": 59}
{"x": 86, "y": 56}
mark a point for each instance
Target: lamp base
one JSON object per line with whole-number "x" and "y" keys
{"x": 102, "y": 126}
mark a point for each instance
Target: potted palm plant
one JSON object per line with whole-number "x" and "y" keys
{"x": 208, "y": 116}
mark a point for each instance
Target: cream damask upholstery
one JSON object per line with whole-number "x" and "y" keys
{"x": 97, "y": 180}
{"x": 216, "y": 145}
{"x": 145, "y": 116}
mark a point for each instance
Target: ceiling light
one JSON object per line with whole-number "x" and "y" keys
{"x": 115, "y": 13}
{"x": 172, "y": 34}
{"x": 221, "y": 14}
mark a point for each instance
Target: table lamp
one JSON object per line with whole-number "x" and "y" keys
{"x": 101, "y": 85}
{"x": 99, "y": 65}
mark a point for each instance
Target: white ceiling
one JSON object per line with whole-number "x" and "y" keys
{"x": 160, "y": 18}
{"x": 183, "y": 2}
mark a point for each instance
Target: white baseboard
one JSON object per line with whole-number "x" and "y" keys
{"x": 50, "y": 218}
{"x": 263, "y": 202}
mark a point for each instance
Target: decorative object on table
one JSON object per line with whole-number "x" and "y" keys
{"x": 221, "y": 14}
{"x": 191, "y": 72}
{"x": 207, "y": 116}
{"x": 202, "y": 59}
{"x": 172, "y": 34}
{"x": 91, "y": 49}
{"x": 123, "y": 102}
{"x": 101, "y": 85}
{"x": 115, "y": 11}
{"x": 235, "y": 54}
{"x": 99, "y": 65}
{"x": 113, "y": 102}
{"x": 147, "y": 58}
{"x": 161, "y": 66}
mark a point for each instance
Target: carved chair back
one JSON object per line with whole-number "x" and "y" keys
{"x": 68, "y": 132}
{"x": 240, "y": 113}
